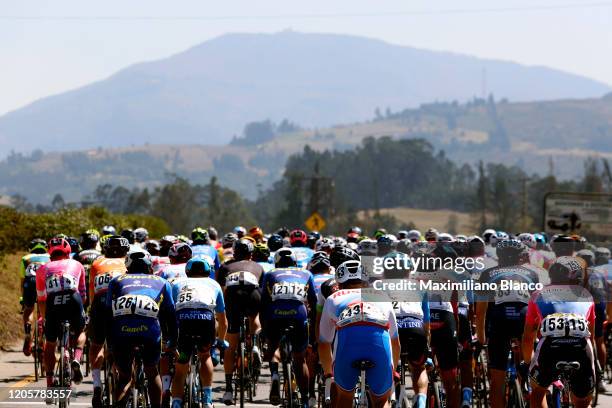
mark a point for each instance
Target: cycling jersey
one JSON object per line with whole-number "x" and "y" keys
{"x": 598, "y": 286}
{"x": 173, "y": 272}
{"x": 196, "y": 300}
{"x": 27, "y": 268}
{"x": 364, "y": 331}
{"x": 87, "y": 257}
{"x": 303, "y": 255}
{"x": 103, "y": 270}
{"x": 210, "y": 254}
{"x": 325, "y": 289}
{"x": 411, "y": 317}
{"x": 563, "y": 315}
{"x": 159, "y": 262}
{"x": 140, "y": 307}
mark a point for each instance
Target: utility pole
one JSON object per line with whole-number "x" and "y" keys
{"x": 319, "y": 189}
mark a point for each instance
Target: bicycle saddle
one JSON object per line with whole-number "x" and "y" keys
{"x": 363, "y": 364}
{"x": 567, "y": 365}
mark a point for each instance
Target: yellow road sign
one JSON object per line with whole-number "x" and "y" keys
{"x": 315, "y": 222}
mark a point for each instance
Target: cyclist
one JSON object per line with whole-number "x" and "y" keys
{"x": 89, "y": 252}
{"x": 160, "y": 262}
{"x": 61, "y": 291}
{"x": 228, "y": 246}
{"x": 153, "y": 248}
{"x": 240, "y": 279}
{"x": 564, "y": 313}
{"x": 202, "y": 247}
{"x": 257, "y": 234}
{"x": 288, "y": 301}
{"x": 109, "y": 230}
{"x": 299, "y": 242}
{"x": 412, "y": 317}
{"x": 240, "y": 231}
{"x": 353, "y": 234}
{"x": 261, "y": 255}
{"x": 324, "y": 244}
{"x": 103, "y": 270}
{"x": 385, "y": 244}
{"x": 140, "y": 311}
{"x": 414, "y": 235}
{"x": 141, "y": 235}
{"x": 363, "y": 331}
{"x": 368, "y": 247}
{"x": 30, "y": 263}
{"x": 199, "y": 300}
{"x": 500, "y": 317}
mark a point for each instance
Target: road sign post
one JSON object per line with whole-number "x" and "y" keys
{"x": 578, "y": 213}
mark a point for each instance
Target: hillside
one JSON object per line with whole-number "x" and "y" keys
{"x": 206, "y": 94}
{"x": 530, "y": 135}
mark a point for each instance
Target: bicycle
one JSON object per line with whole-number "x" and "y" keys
{"x": 516, "y": 388}
{"x": 436, "y": 396}
{"x": 39, "y": 371}
{"x": 323, "y": 388}
{"x": 289, "y": 396}
{"x": 560, "y": 397}
{"x": 481, "y": 395}
{"x": 63, "y": 373}
{"x": 401, "y": 397}
{"x": 246, "y": 374}
{"x": 108, "y": 380}
{"x": 362, "y": 398}
{"x": 139, "y": 396}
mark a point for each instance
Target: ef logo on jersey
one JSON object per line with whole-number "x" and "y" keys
{"x": 61, "y": 300}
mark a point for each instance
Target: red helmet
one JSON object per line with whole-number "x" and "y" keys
{"x": 298, "y": 236}
{"x": 59, "y": 245}
{"x": 180, "y": 253}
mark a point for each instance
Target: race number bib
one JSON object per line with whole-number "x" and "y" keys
{"x": 241, "y": 278}
{"x": 564, "y": 325}
{"x": 362, "y": 313}
{"x": 58, "y": 283}
{"x": 289, "y": 291}
{"x": 195, "y": 298}
{"x": 135, "y": 305}
{"x": 511, "y": 295}
{"x": 32, "y": 268}
{"x": 101, "y": 281}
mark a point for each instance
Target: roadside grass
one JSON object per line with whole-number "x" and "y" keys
{"x": 10, "y": 291}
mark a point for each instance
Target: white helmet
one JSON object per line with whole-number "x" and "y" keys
{"x": 324, "y": 244}
{"x": 527, "y": 239}
{"x": 445, "y": 237}
{"x": 368, "y": 247}
{"x": 351, "y": 270}
{"x": 487, "y": 234}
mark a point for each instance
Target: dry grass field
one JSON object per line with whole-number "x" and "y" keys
{"x": 424, "y": 219}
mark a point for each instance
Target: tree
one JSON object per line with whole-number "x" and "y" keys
{"x": 58, "y": 202}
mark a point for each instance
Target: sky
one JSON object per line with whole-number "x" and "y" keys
{"x": 50, "y": 47}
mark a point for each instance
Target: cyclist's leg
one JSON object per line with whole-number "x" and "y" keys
{"x": 299, "y": 340}
{"x": 541, "y": 374}
{"x": 582, "y": 381}
{"x": 77, "y": 341}
{"x": 499, "y": 337}
{"x": 205, "y": 342}
{"x": 96, "y": 332}
{"x": 254, "y": 302}
{"x": 414, "y": 342}
{"x": 443, "y": 344}
{"x": 29, "y": 300}
{"x": 123, "y": 357}
{"x": 51, "y": 334}
{"x": 151, "y": 356}
{"x": 466, "y": 357}
{"x": 184, "y": 347}
{"x": 234, "y": 312}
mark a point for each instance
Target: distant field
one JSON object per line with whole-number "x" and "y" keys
{"x": 424, "y": 219}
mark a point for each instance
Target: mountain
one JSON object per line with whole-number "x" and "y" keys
{"x": 207, "y": 94}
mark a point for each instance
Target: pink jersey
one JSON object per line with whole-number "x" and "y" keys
{"x": 59, "y": 276}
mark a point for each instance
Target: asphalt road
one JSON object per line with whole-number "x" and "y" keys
{"x": 17, "y": 373}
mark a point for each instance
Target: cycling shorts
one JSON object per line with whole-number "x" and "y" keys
{"x": 240, "y": 301}
{"x": 96, "y": 328}
{"x": 464, "y": 337}
{"x": 600, "y": 318}
{"x": 552, "y": 350}
{"x": 504, "y": 322}
{"x": 413, "y": 339}
{"x": 29, "y": 291}
{"x": 444, "y": 338}
{"x": 364, "y": 343}
{"x": 123, "y": 351}
{"x": 298, "y": 337}
{"x": 63, "y": 306}
{"x": 194, "y": 333}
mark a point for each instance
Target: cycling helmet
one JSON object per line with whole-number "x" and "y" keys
{"x": 298, "y": 238}
{"x": 212, "y": 233}
{"x": 404, "y": 246}
{"x": 89, "y": 240}
{"x": 566, "y": 270}
{"x": 527, "y": 239}
{"x": 400, "y": 267}
{"x": 261, "y": 253}
{"x": 351, "y": 271}
{"x": 587, "y": 255}
{"x": 285, "y": 258}
{"x": 509, "y": 251}
{"x": 180, "y": 253}
{"x": 228, "y": 240}
{"x": 414, "y": 235}
{"x": 562, "y": 245}
{"x": 283, "y": 232}
{"x": 324, "y": 244}
{"x": 386, "y": 244}
{"x": 319, "y": 262}
{"x": 141, "y": 234}
{"x": 59, "y": 247}
{"x": 402, "y": 234}
{"x": 476, "y": 246}
{"x": 275, "y": 242}
{"x": 431, "y": 235}
{"x": 243, "y": 249}
{"x": 353, "y": 246}
{"x": 109, "y": 230}
{"x": 38, "y": 246}
{"x": 368, "y": 247}
{"x": 352, "y": 236}
{"x": 200, "y": 236}
{"x": 379, "y": 233}
{"x": 355, "y": 230}
{"x": 340, "y": 255}
{"x": 256, "y": 233}
{"x": 129, "y": 235}
{"x": 139, "y": 262}
{"x": 152, "y": 246}
{"x": 602, "y": 256}
{"x": 312, "y": 239}
{"x": 182, "y": 238}
{"x": 74, "y": 244}
{"x": 487, "y": 234}
{"x": 445, "y": 237}
{"x": 116, "y": 246}
{"x": 240, "y": 231}
{"x": 198, "y": 266}
{"x": 461, "y": 238}
{"x": 165, "y": 243}
{"x": 339, "y": 242}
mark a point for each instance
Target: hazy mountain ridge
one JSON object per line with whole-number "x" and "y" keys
{"x": 207, "y": 93}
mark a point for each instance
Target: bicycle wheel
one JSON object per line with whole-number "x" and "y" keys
{"x": 241, "y": 373}
{"x": 437, "y": 395}
{"x": 287, "y": 398}
{"x": 36, "y": 356}
{"x": 518, "y": 394}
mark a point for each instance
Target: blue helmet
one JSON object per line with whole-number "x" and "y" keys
{"x": 198, "y": 266}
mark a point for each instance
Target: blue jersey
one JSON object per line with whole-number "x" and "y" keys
{"x": 303, "y": 255}
{"x": 319, "y": 279}
{"x": 288, "y": 293}
{"x": 173, "y": 272}
{"x": 140, "y": 305}
{"x": 197, "y": 298}
{"x": 209, "y": 253}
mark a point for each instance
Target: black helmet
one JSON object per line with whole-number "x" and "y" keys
{"x": 385, "y": 244}
{"x": 152, "y": 246}
{"x": 275, "y": 242}
{"x": 509, "y": 252}
{"x": 285, "y": 258}
{"x": 319, "y": 262}
{"x": 129, "y": 235}
{"x": 566, "y": 270}
{"x": 89, "y": 240}
{"x": 165, "y": 243}
{"x": 563, "y": 245}
{"x": 243, "y": 249}
{"x": 139, "y": 262}
{"x": 229, "y": 239}
{"x": 212, "y": 233}
{"x": 74, "y": 244}
{"x": 180, "y": 253}
{"x": 339, "y": 255}
{"x": 38, "y": 246}
{"x": 404, "y": 246}
{"x": 116, "y": 247}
